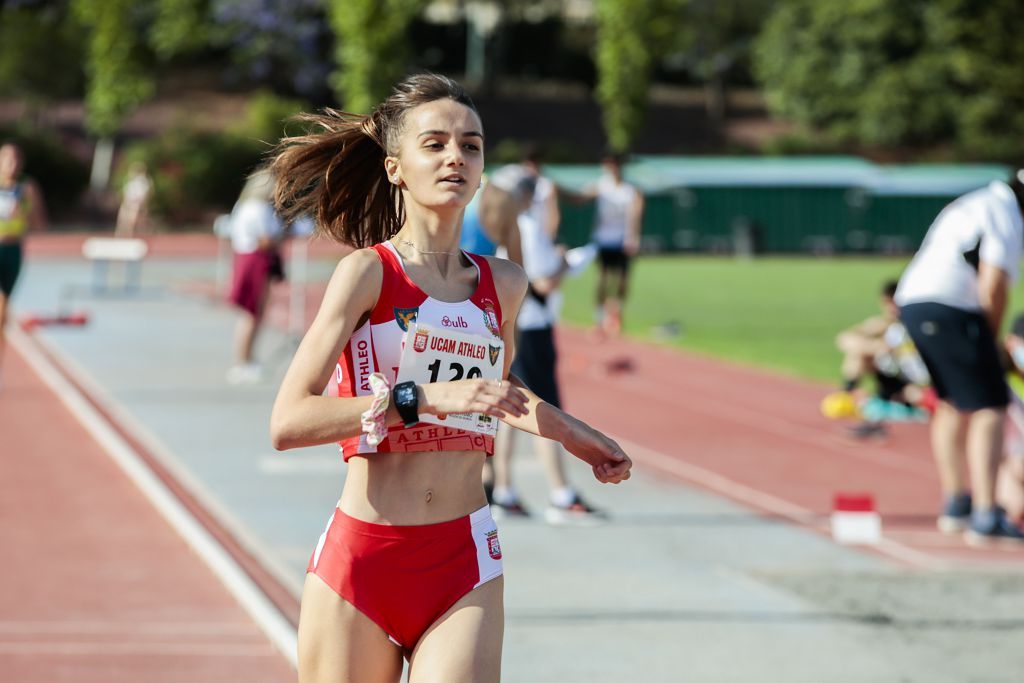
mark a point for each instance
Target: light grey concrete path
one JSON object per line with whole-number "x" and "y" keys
{"x": 678, "y": 586}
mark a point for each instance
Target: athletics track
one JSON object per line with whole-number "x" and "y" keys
{"x": 751, "y": 436}
{"x": 97, "y": 586}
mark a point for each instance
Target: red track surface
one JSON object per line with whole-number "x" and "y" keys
{"x": 752, "y": 432}
{"x": 98, "y": 586}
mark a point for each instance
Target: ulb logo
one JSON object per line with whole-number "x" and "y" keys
{"x": 419, "y": 344}
{"x": 493, "y": 352}
{"x": 405, "y": 316}
{"x": 493, "y": 547}
{"x": 458, "y": 322}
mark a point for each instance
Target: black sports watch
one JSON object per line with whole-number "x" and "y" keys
{"x": 407, "y": 402}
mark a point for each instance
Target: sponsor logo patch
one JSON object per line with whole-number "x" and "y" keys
{"x": 493, "y": 352}
{"x": 404, "y": 316}
{"x": 419, "y": 344}
{"x": 493, "y": 547}
{"x": 491, "y": 318}
{"x": 457, "y": 322}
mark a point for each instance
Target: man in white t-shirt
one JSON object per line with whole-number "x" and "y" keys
{"x": 617, "y": 225}
{"x": 952, "y": 298}
{"x": 535, "y": 365}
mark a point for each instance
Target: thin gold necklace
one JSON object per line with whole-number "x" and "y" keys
{"x": 424, "y": 251}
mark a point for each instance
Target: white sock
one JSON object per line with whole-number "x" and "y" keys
{"x": 563, "y": 497}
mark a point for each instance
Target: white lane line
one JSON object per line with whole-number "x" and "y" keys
{"x": 764, "y": 501}
{"x": 253, "y": 600}
{"x": 175, "y": 467}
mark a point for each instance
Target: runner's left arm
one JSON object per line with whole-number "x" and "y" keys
{"x": 606, "y": 458}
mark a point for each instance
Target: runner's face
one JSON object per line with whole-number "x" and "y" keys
{"x": 440, "y": 157}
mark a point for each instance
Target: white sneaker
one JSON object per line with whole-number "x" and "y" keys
{"x": 250, "y": 373}
{"x": 576, "y": 513}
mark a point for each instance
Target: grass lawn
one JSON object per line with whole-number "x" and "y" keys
{"x": 779, "y": 313}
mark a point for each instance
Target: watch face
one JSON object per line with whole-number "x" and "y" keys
{"x": 405, "y": 394}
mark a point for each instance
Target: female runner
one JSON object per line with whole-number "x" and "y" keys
{"x": 410, "y": 563}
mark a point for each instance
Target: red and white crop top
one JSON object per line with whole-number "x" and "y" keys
{"x": 377, "y": 347}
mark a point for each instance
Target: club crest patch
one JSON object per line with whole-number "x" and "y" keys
{"x": 405, "y": 316}
{"x": 492, "y": 352}
{"x": 493, "y": 547}
{"x": 419, "y": 344}
{"x": 491, "y": 318}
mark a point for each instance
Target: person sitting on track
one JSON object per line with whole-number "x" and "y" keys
{"x": 880, "y": 348}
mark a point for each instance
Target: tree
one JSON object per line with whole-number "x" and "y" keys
{"x": 117, "y": 78}
{"x": 895, "y": 73}
{"x": 179, "y": 26}
{"x": 41, "y": 53}
{"x": 631, "y": 36}
{"x": 982, "y": 43}
{"x": 281, "y": 43}
{"x": 711, "y": 39}
{"x": 623, "y": 62}
{"x": 371, "y": 50}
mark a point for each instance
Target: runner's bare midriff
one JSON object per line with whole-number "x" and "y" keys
{"x": 413, "y": 488}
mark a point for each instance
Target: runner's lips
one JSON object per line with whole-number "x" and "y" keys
{"x": 454, "y": 178}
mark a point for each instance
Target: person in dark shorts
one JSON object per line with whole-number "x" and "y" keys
{"x": 21, "y": 210}
{"x": 952, "y": 299}
{"x": 535, "y": 366}
{"x": 617, "y": 223}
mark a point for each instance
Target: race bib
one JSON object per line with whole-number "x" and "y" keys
{"x": 433, "y": 355}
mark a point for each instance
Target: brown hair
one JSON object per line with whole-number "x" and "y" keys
{"x": 337, "y": 174}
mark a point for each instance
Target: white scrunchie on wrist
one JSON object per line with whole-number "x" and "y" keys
{"x": 374, "y": 419}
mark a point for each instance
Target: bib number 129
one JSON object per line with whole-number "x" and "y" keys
{"x": 457, "y": 370}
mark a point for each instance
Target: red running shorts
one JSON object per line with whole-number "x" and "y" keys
{"x": 405, "y": 577}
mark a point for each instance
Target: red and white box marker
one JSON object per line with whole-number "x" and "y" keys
{"x": 855, "y": 521}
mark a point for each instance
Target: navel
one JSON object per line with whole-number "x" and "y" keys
{"x": 430, "y": 494}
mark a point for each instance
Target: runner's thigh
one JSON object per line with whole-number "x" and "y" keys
{"x": 338, "y": 643}
{"x": 464, "y": 645}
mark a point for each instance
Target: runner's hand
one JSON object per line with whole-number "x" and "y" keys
{"x": 491, "y": 397}
{"x": 609, "y": 464}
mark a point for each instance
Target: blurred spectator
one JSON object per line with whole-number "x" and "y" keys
{"x": 535, "y": 364}
{"x": 952, "y": 298}
{"x": 616, "y": 233}
{"x": 880, "y": 348}
{"x": 544, "y": 205}
{"x": 489, "y": 221}
{"x": 133, "y": 215}
{"x": 21, "y": 210}
{"x": 256, "y": 233}
{"x": 1010, "y": 483}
